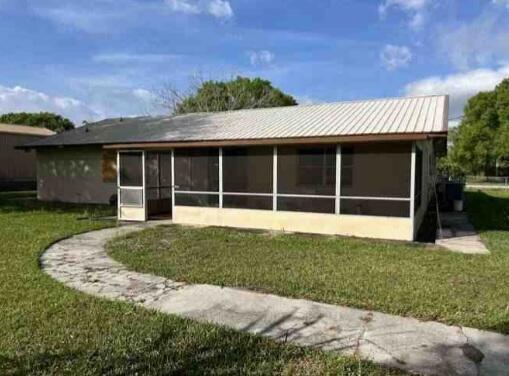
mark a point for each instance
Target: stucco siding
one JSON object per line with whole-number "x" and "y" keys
{"x": 348, "y": 225}
{"x": 16, "y": 164}
{"x": 72, "y": 174}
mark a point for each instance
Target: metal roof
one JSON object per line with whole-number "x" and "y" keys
{"x": 25, "y": 130}
{"x": 409, "y": 115}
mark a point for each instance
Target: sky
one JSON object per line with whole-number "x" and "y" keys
{"x": 93, "y": 59}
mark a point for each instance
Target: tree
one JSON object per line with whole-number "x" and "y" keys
{"x": 48, "y": 120}
{"x": 213, "y": 96}
{"x": 481, "y": 142}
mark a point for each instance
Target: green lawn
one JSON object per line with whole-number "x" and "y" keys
{"x": 47, "y": 328}
{"x": 398, "y": 278}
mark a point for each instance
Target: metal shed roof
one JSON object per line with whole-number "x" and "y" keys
{"x": 25, "y": 130}
{"x": 392, "y": 116}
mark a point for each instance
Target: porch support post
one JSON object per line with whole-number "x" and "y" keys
{"x": 144, "y": 191}
{"x": 274, "y": 178}
{"x": 338, "y": 178}
{"x": 172, "y": 182}
{"x": 220, "y": 177}
{"x": 118, "y": 185}
{"x": 412, "y": 190}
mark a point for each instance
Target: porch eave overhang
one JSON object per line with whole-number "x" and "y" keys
{"x": 279, "y": 141}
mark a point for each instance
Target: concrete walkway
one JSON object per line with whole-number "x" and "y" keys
{"x": 409, "y": 344}
{"x": 458, "y": 234}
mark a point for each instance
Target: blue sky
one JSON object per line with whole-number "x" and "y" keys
{"x": 90, "y": 59}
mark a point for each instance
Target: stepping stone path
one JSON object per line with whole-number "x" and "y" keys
{"x": 428, "y": 348}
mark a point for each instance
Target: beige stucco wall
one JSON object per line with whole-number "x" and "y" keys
{"x": 349, "y": 225}
{"x": 16, "y": 164}
{"x": 72, "y": 174}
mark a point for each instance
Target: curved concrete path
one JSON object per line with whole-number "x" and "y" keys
{"x": 409, "y": 344}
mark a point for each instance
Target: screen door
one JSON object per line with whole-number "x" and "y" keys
{"x": 131, "y": 186}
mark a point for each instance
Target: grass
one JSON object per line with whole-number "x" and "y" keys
{"x": 397, "y": 278}
{"x": 47, "y": 328}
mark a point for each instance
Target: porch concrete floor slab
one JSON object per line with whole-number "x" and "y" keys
{"x": 458, "y": 234}
{"x": 429, "y": 348}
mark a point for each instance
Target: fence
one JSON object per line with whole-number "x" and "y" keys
{"x": 488, "y": 180}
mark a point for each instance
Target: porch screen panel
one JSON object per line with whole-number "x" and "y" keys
{"x": 306, "y": 204}
{"x": 386, "y": 208}
{"x": 247, "y": 170}
{"x": 196, "y": 199}
{"x": 305, "y": 172}
{"x": 131, "y": 169}
{"x": 131, "y": 197}
{"x": 247, "y": 202}
{"x": 375, "y": 179}
{"x": 197, "y": 177}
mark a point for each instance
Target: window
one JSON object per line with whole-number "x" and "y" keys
{"x": 197, "y": 170}
{"x": 372, "y": 174}
{"x": 131, "y": 169}
{"x": 315, "y": 165}
{"x": 307, "y": 170}
{"x": 109, "y": 166}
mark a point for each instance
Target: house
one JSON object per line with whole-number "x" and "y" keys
{"x": 360, "y": 168}
{"x": 17, "y": 170}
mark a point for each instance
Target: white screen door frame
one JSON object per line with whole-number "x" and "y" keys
{"x": 131, "y": 195}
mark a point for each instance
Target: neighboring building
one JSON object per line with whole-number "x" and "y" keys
{"x": 17, "y": 167}
{"x": 361, "y": 168}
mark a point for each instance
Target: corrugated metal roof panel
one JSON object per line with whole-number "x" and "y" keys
{"x": 370, "y": 117}
{"x": 25, "y": 129}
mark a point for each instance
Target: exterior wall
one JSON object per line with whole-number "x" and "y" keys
{"x": 17, "y": 165}
{"x": 348, "y": 225}
{"x": 72, "y": 174}
{"x": 428, "y": 181}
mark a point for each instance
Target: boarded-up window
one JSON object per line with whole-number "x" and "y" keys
{"x": 109, "y": 166}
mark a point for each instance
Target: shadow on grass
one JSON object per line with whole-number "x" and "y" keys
{"x": 186, "y": 349}
{"x": 488, "y": 212}
{"x": 27, "y": 201}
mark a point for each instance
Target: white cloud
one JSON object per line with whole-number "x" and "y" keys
{"x": 394, "y": 57}
{"x": 128, "y": 58}
{"x": 501, "y": 2}
{"x": 262, "y": 57}
{"x": 306, "y": 100}
{"x": 92, "y": 16}
{"x": 220, "y": 9}
{"x": 108, "y": 16}
{"x": 144, "y": 95}
{"x": 184, "y": 6}
{"x": 19, "y": 99}
{"x": 460, "y": 86}
{"x": 481, "y": 42}
{"x": 415, "y": 10}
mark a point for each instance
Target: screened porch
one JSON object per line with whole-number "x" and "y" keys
{"x": 381, "y": 179}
